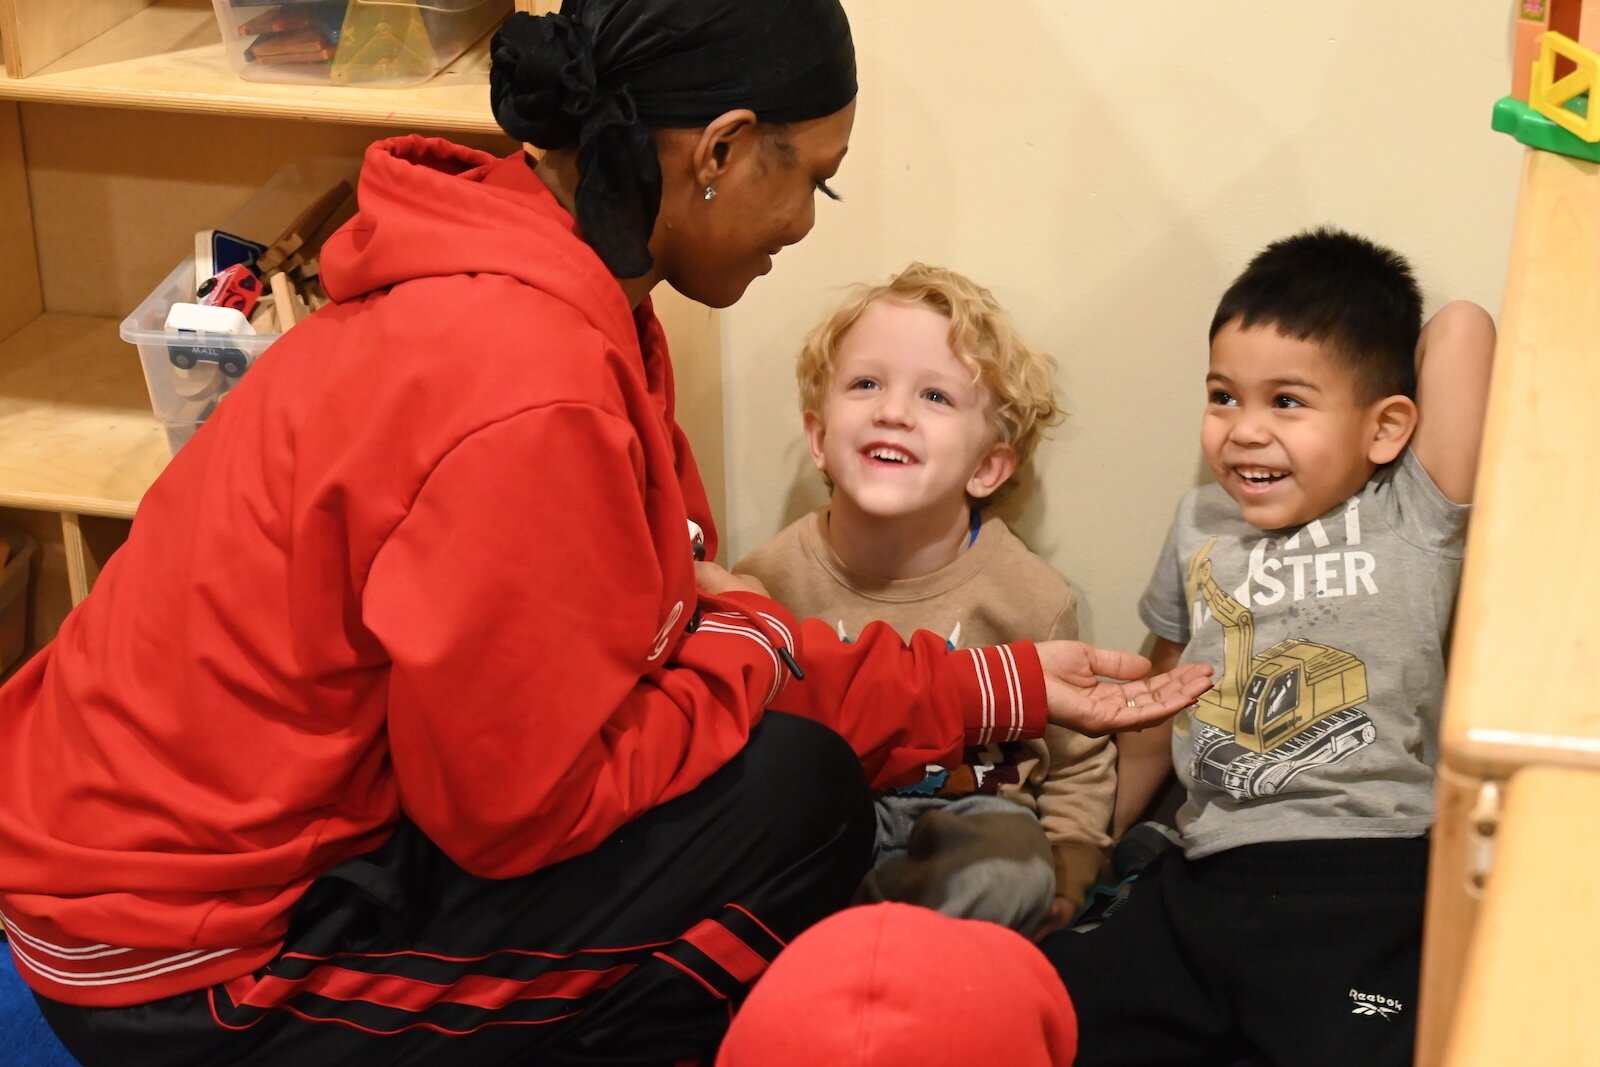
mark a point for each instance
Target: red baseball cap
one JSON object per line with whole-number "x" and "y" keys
{"x": 887, "y": 985}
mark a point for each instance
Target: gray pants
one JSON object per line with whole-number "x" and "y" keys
{"x": 979, "y": 857}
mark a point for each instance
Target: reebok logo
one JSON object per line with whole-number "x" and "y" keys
{"x": 1373, "y": 1004}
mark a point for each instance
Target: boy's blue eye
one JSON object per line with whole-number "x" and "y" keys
{"x": 937, "y": 397}
{"x": 863, "y": 383}
{"x": 1219, "y": 397}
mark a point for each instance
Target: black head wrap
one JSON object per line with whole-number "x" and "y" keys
{"x": 601, "y": 73}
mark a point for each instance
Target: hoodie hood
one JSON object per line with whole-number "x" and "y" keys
{"x": 429, "y": 208}
{"x": 890, "y": 984}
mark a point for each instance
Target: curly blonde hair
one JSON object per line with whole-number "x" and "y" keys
{"x": 1020, "y": 378}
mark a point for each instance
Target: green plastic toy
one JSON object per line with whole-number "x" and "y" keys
{"x": 1534, "y": 130}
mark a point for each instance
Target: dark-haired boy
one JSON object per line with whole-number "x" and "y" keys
{"x": 1318, "y": 576}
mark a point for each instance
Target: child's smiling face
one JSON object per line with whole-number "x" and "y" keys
{"x": 905, "y": 426}
{"x": 1286, "y": 432}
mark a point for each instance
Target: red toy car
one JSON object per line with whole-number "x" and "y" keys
{"x": 234, "y": 287}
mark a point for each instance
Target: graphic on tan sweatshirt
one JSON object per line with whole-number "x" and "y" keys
{"x": 1297, "y": 705}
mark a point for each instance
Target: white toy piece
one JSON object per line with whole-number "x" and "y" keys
{"x": 206, "y": 318}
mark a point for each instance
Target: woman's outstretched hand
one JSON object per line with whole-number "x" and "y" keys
{"x": 1082, "y": 699}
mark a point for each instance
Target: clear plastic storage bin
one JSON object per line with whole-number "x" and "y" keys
{"x": 14, "y": 597}
{"x": 381, "y": 43}
{"x": 188, "y": 374}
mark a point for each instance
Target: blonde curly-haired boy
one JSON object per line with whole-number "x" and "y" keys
{"x": 920, "y": 403}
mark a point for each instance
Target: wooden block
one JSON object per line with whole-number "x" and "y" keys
{"x": 264, "y": 319}
{"x": 291, "y": 309}
{"x": 303, "y": 232}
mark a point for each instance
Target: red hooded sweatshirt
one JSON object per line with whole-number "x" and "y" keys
{"x": 892, "y": 985}
{"x": 430, "y": 556}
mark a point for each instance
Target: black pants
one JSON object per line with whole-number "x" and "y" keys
{"x": 1302, "y": 953}
{"x": 634, "y": 953}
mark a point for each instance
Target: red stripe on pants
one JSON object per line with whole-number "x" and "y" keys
{"x": 726, "y": 950}
{"x": 412, "y": 995}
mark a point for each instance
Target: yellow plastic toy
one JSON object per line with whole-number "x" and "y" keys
{"x": 383, "y": 42}
{"x": 1554, "y": 98}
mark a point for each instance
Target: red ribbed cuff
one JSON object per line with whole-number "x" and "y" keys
{"x": 775, "y": 628}
{"x": 1002, "y": 692}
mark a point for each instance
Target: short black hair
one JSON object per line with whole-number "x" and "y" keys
{"x": 1333, "y": 288}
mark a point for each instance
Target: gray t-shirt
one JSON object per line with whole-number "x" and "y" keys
{"x": 1329, "y": 644}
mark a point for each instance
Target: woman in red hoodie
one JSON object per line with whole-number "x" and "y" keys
{"x": 399, "y": 729}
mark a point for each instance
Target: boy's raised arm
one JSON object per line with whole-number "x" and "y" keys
{"x": 1454, "y": 355}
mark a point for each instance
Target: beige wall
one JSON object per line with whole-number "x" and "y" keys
{"x": 1106, "y": 168}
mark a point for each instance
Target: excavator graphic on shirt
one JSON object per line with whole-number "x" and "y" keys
{"x": 1297, "y": 705}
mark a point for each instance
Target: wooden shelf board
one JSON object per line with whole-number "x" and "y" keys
{"x": 169, "y": 57}
{"x": 76, "y": 431}
{"x": 1528, "y": 625}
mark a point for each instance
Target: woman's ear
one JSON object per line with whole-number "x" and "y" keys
{"x": 719, "y": 143}
{"x": 1393, "y": 421}
{"x": 994, "y": 469}
{"x": 815, "y": 432}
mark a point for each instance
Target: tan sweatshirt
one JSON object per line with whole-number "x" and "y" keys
{"x": 994, "y": 592}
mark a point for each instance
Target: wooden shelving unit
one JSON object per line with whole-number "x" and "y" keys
{"x": 78, "y": 444}
{"x": 168, "y": 57}
{"x": 123, "y": 130}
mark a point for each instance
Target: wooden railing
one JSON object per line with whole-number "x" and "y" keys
{"x": 1511, "y": 967}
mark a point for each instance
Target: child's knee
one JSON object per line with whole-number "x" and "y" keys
{"x": 993, "y": 865}
{"x": 813, "y": 785}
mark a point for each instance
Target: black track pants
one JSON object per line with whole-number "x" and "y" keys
{"x": 635, "y": 953}
{"x": 1299, "y": 953}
